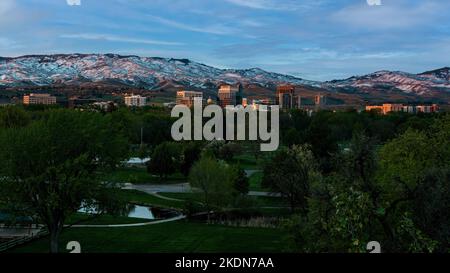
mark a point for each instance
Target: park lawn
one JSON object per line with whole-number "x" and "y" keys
{"x": 139, "y": 175}
{"x": 175, "y": 237}
{"x": 255, "y": 181}
{"x": 246, "y": 162}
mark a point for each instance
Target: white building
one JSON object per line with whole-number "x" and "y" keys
{"x": 135, "y": 101}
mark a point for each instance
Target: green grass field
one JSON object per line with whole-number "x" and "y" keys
{"x": 179, "y": 237}
{"x": 246, "y": 161}
{"x": 255, "y": 181}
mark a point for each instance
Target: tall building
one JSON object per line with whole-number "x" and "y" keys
{"x": 188, "y": 97}
{"x": 288, "y": 97}
{"x": 244, "y": 102}
{"x": 320, "y": 100}
{"x": 135, "y": 101}
{"x": 230, "y": 95}
{"x": 44, "y": 99}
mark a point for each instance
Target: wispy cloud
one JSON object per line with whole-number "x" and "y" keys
{"x": 400, "y": 14}
{"x": 277, "y": 5}
{"x": 7, "y": 43}
{"x": 115, "y": 38}
{"x": 211, "y": 29}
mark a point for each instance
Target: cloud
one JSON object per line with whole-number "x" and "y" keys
{"x": 6, "y": 6}
{"x": 277, "y": 5}
{"x": 374, "y": 2}
{"x": 114, "y": 38}
{"x": 74, "y": 2}
{"x": 400, "y": 14}
{"x": 7, "y": 43}
{"x": 211, "y": 29}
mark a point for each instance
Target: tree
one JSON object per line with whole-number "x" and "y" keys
{"x": 291, "y": 173}
{"x": 49, "y": 168}
{"x": 191, "y": 153}
{"x": 241, "y": 181}
{"x": 13, "y": 116}
{"x": 164, "y": 160}
{"x": 223, "y": 150}
{"x": 214, "y": 179}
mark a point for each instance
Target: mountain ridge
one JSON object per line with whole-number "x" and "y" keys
{"x": 155, "y": 73}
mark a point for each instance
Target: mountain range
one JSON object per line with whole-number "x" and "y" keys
{"x": 154, "y": 73}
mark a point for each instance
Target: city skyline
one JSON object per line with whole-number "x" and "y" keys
{"x": 317, "y": 40}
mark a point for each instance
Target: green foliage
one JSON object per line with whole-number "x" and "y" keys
{"x": 290, "y": 173}
{"x": 413, "y": 238}
{"x": 49, "y": 167}
{"x": 165, "y": 159}
{"x": 13, "y": 117}
{"x": 215, "y": 179}
{"x": 241, "y": 182}
{"x": 223, "y": 150}
{"x": 404, "y": 161}
{"x": 191, "y": 153}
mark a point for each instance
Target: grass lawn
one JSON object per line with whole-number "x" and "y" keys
{"x": 246, "y": 161}
{"x": 255, "y": 181}
{"x": 180, "y": 237}
{"x": 138, "y": 175}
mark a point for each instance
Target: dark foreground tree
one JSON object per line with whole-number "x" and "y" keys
{"x": 191, "y": 153}
{"x": 290, "y": 173}
{"x": 241, "y": 181}
{"x": 165, "y": 159}
{"x": 49, "y": 167}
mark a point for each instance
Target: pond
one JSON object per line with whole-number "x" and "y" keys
{"x": 141, "y": 212}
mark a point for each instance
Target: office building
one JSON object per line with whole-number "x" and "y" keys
{"x": 44, "y": 99}
{"x": 230, "y": 95}
{"x": 288, "y": 97}
{"x": 188, "y": 97}
{"x": 135, "y": 101}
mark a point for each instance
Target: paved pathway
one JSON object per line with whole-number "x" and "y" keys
{"x": 176, "y": 218}
{"x": 179, "y": 188}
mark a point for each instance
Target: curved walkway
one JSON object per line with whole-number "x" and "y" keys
{"x": 176, "y": 218}
{"x": 179, "y": 188}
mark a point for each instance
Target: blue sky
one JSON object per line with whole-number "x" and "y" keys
{"x": 313, "y": 39}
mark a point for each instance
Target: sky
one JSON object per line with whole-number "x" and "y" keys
{"x": 311, "y": 39}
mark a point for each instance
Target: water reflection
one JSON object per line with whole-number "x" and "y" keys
{"x": 141, "y": 212}
{"x": 133, "y": 211}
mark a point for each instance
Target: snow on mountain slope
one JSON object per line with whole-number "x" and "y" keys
{"x": 153, "y": 73}
{"x": 420, "y": 84}
{"x": 132, "y": 70}
{"x": 442, "y": 74}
